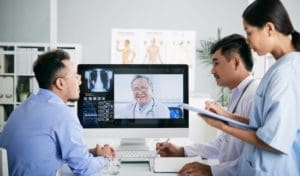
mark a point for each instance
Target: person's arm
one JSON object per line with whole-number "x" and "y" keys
{"x": 166, "y": 149}
{"x": 216, "y": 108}
{"x": 68, "y": 134}
{"x": 195, "y": 168}
{"x": 238, "y": 118}
{"x": 118, "y": 46}
{"x": 248, "y": 136}
{"x": 209, "y": 151}
{"x": 132, "y": 56}
{"x": 158, "y": 56}
{"x": 145, "y": 60}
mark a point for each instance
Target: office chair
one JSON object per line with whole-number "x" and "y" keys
{"x": 3, "y": 162}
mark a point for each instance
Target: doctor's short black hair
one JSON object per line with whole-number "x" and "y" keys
{"x": 231, "y": 44}
{"x": 143, "y": 77}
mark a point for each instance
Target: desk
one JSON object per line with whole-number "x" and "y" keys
{"x": 127, "y": 169}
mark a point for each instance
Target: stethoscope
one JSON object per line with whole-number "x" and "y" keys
{"x": 244, "y": 90}
{"x": 150, "y": 112}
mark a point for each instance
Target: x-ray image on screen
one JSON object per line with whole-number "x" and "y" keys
{"x": 98, "y": 80}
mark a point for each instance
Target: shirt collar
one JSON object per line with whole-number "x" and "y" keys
{"x": 243, "y": 84}
{"x": 50, "y": 96}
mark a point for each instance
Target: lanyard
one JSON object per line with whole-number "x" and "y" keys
{"x": 244, "y": 90}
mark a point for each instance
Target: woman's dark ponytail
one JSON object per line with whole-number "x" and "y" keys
{"x": 296, "y": 39}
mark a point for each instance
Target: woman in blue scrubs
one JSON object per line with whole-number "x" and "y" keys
{"x": 274, "y": 149}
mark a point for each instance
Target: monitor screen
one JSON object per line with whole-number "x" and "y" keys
{"x": 133, "y": 96}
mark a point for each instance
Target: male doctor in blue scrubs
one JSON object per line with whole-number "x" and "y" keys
{"x": 43, "y": 133}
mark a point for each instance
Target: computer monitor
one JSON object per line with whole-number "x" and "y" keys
{"x": 133, "y": 101}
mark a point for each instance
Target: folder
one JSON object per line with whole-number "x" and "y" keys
{"x": 7, "y": 89}
{"x": 210, "y": 114}
{"x": 2, "y": 117}
{"x": 1, "y": 60}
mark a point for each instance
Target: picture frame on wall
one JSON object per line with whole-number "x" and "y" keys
{"x": 149, "y": 46}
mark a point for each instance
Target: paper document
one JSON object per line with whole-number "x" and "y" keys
{"x": 210, "y": 114}
{"x": 174, "y": 164}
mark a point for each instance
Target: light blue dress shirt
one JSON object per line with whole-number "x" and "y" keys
{"x": 276, "y": 113}
{"x": 227, "y": 148}
{"x": 42, "y": 134}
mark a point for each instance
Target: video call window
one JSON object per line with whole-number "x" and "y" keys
{"x": 148, "y": 96}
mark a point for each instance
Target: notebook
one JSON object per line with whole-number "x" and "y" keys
{"x": 174, "y": 164}
{"x": 210, "y": 114}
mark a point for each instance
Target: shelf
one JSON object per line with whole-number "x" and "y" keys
{"x": 7, "y": 74}
{"x": 16, "y": 75}
{"x": 5, "y": 110}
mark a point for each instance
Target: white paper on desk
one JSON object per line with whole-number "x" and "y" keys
{"x": 174, "y": 164}
{"x": 218, "y": 117}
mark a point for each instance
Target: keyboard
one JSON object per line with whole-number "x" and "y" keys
{"x": 135, "y": 156}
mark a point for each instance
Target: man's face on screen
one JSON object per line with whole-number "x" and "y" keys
{"x": 141, "y": 91}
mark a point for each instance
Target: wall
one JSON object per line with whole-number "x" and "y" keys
{"x": 90, "y": 23}
{"x": 94, "y": 21}
{"x": 24, "y": 21}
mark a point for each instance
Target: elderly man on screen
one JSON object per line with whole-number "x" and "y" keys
{"x": 145, "y": 106}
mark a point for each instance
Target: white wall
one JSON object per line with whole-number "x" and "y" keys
{"x": 90, "y": 23}
{"x": 24, "y": 21}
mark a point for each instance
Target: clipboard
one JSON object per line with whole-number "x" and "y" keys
{"x": 210, "y": 114}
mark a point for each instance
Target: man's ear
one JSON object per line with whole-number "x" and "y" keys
{"x": 236, "y": 61}
{"x": 59, "y": 83}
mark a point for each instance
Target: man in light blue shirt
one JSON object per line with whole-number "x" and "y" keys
{"x": 232, "y": 64}
{"x": 43, "y": 132}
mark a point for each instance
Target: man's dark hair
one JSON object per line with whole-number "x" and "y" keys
{"x": 48, "y": 65}
{"x": 232, "y": 44}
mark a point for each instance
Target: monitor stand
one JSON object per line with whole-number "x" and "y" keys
{"x": 136, "y": 144}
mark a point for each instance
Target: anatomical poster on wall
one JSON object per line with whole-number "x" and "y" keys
{"x": 148, "y": 46}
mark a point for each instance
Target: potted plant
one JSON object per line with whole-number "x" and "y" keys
{"x": 22, "y": 91}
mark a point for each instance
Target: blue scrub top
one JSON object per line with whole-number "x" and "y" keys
{"x": 276, "y": 113}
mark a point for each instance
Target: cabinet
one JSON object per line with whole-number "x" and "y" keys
{"x": 17, "y": 80}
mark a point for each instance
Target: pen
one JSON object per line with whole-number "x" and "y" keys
{"x": 158, "y": 150}
{"x": 167, "y": 140}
